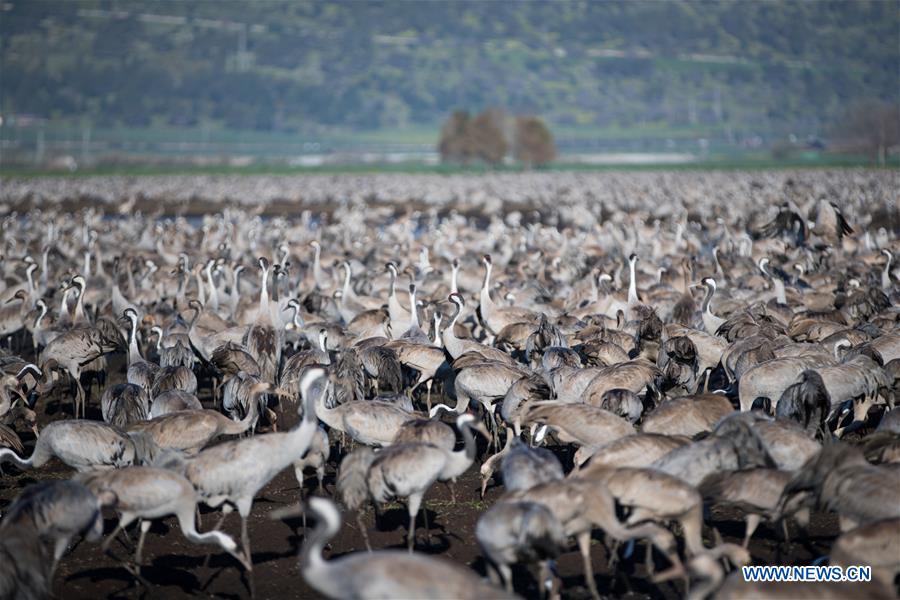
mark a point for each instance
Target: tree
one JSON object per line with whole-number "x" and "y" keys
{"x": 454, "y": 146}
{"x": 871, "y": 126}
{"x": 534, "y": 142}
{"x": 464, "y": 138}
{"x": 485, "y": 133}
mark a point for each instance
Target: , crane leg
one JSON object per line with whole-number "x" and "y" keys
{"x": 80, "y": 399}
{"x": 74, "y": 386}
{"x": 491, "y": 424}
{"x": 245, "y": 542}
{"x": 363, "y": 529}
{"x": 226, "y": 510}
{"x": 145, "y": 526}
{"x": 506, "y": 576}
{"x": 243, "y": 506}
{"x": 134, "y": 570}
{"x": 411, "y": 532}
{"x": 613, "y": 555}
{"x": 546, "y": 580}
{"x": 298, "y": 474}
{"x": 427, "y": 527}
{"x": 245, "y": 536}
{"x": 494, "y": 574}
{"x": 648, "y": 560}
{"x": 415, "y": 500}
{"x": 752, "y": 524}
{"x": 492, "y": 420}
{"x": 452, "y": 487}
{"x": 105, "y": 545}
{"x": 59, "y": 548}
{"x": 584, "y": 546}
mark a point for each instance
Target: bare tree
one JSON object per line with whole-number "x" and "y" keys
{"x": 534, "y": 142}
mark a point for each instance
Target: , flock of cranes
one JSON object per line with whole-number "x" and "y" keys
{"x": 621, "y": 357}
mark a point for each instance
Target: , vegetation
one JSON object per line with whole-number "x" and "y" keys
{"x": 454, "y": 145}
{"x": 534, "y": 142}
{"x": 486, "y": 138}
{"x": 737, "y": 70}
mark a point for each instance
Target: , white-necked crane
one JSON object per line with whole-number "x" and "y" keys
{"x": 70, "y": 351}
{"x": 263, "y": 339}
{"x": 383, "y": 573}
{"x": 148, "y": 493}
{"x": 235, "y": 471}
{"x": 85, "y": 445}
{"x": 140, "y": 372}
{"x": 404, "y": 470}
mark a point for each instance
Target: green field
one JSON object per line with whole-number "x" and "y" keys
{"x": 749, "y": 162}
{"x": 423, "y": 135}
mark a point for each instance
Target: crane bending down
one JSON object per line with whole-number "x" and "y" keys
{"x": 235, "y": 471}
{"x": 385, "y": 573}
{"x": 57, "y": 511}
{"x": 149, "y": 493}
{"x": 72, "y": 350}
{"x": 190, "y": 430}
{"x": 404, "y": 470}
{"x": 85, "y": 445}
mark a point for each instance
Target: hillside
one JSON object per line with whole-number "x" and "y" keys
{"x": 738, "y": 69}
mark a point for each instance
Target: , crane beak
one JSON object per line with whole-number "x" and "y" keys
{"x": 18, "y": 392}
{"x": 260, "y": 387}
{"x": 484, "y": 484}
{"x": 480, "y": 428}
{"x": 242, "y": 559}
{"x": 675, "y": 572}
{"x": 287, "y": 512}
